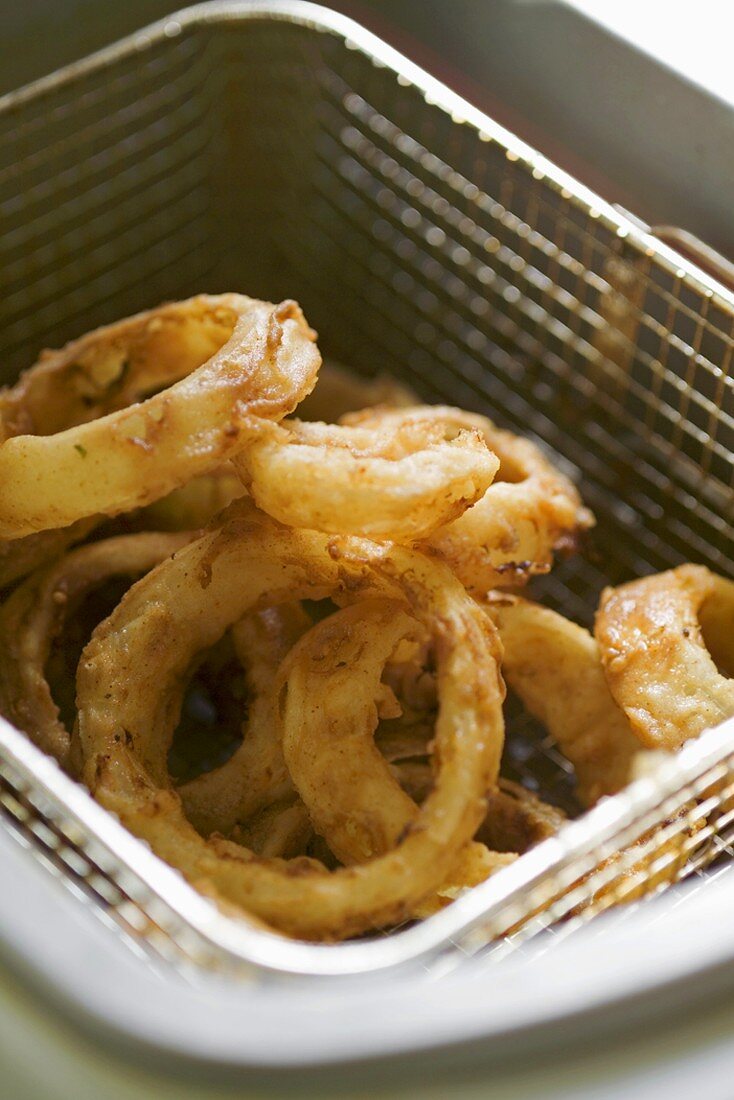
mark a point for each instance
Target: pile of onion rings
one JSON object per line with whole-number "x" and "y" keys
{"x": 276, "y": 645}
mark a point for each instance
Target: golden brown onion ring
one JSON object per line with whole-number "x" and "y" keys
{"x": 250, "y": 798}
{"x": 128, "y": 458}
{"x": 355, "y": 803}
{"x": 653, "y": 636}
{"x": 332, "y": 678}
{"x": 115, "y": 366}
{"x": 399, "y": 481}
{"x": 35, "y": 613}
{"x": 531, "y": 510}
{"x": 106, "y": 370}
{"x": 255, "y": 776}
{"x": 253, "y": 788}
{"x": 554, "y": 666}
{"x": 183, "y": 607}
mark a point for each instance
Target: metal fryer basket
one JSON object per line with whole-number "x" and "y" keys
{"x": 280, "y": 149}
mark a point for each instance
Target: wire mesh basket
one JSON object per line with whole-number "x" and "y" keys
{"x": 279, "y": 149}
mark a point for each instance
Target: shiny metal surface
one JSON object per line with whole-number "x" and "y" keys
{"x": 280, "y": 149}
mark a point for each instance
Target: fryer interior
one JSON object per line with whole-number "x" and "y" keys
{"x": 271, "y": 157}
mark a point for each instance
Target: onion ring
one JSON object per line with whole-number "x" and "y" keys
{"x": 653, "y": 636}
{"x": 399, "y": 481}
{"x": 355, "y": 803}
{"x": 188, "y": 602}
{"x": 34, "y": 615}
{"x": 128, "y": 458}
{"x": 255, "y": 776}
{"x": 554, "y": 666}
{"x": 251, "y": 797}
{"x": 514, "y": 529}
{"x": 329, "y": 719}
{"x": 249, "y": 792}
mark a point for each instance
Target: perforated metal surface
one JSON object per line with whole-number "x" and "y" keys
{"x": 236, "y": 149}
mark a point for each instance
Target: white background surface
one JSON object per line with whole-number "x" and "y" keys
{"x": 41, "y": 1060}
{"x": 694, "y": 38}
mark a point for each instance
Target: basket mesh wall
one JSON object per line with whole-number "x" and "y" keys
{"x": 272, "y": 158}
{"x": 267, "y": 157}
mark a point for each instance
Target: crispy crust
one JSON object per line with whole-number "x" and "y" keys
{"x": 128, "y": 458}
{"x": 511, "y": 533}
{"x": 399, "y": 481}
{"x": 655, "y": 656}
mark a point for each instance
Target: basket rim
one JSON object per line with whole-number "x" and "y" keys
{"x": 185, "y": 908}
{"x": 262, "y": 949}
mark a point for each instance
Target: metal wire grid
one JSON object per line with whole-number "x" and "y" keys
{"x": 104, "y": 198}
{"x": 635, "y": 845}
{"x": 273, "y": 156}
{"x": 487, "y": 326}
{"x": 75, "y": 855}
{"x": 686, "y": 846}
{"x": 64, "y": 856}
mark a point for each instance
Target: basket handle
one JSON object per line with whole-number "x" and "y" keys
{"x": 692, "y": 248}
{"x": 689, "y": 246}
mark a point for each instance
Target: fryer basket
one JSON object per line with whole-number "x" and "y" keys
{"x": 279, "y": 149}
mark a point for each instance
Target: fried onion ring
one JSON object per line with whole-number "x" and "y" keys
{"x": 332, "y": 678}
{"x": 35, "y": 613}
{"x": 128, "y": 458}
{"x": 251, "y": 798}
{"x": 115, "y": 366}
{"x": 653, "y": 635}
{"x": 401, "y": 480}
{"x": 184, "y": 606}
{"x": 554, "y": 666}
{"x": 530, "y": 511}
